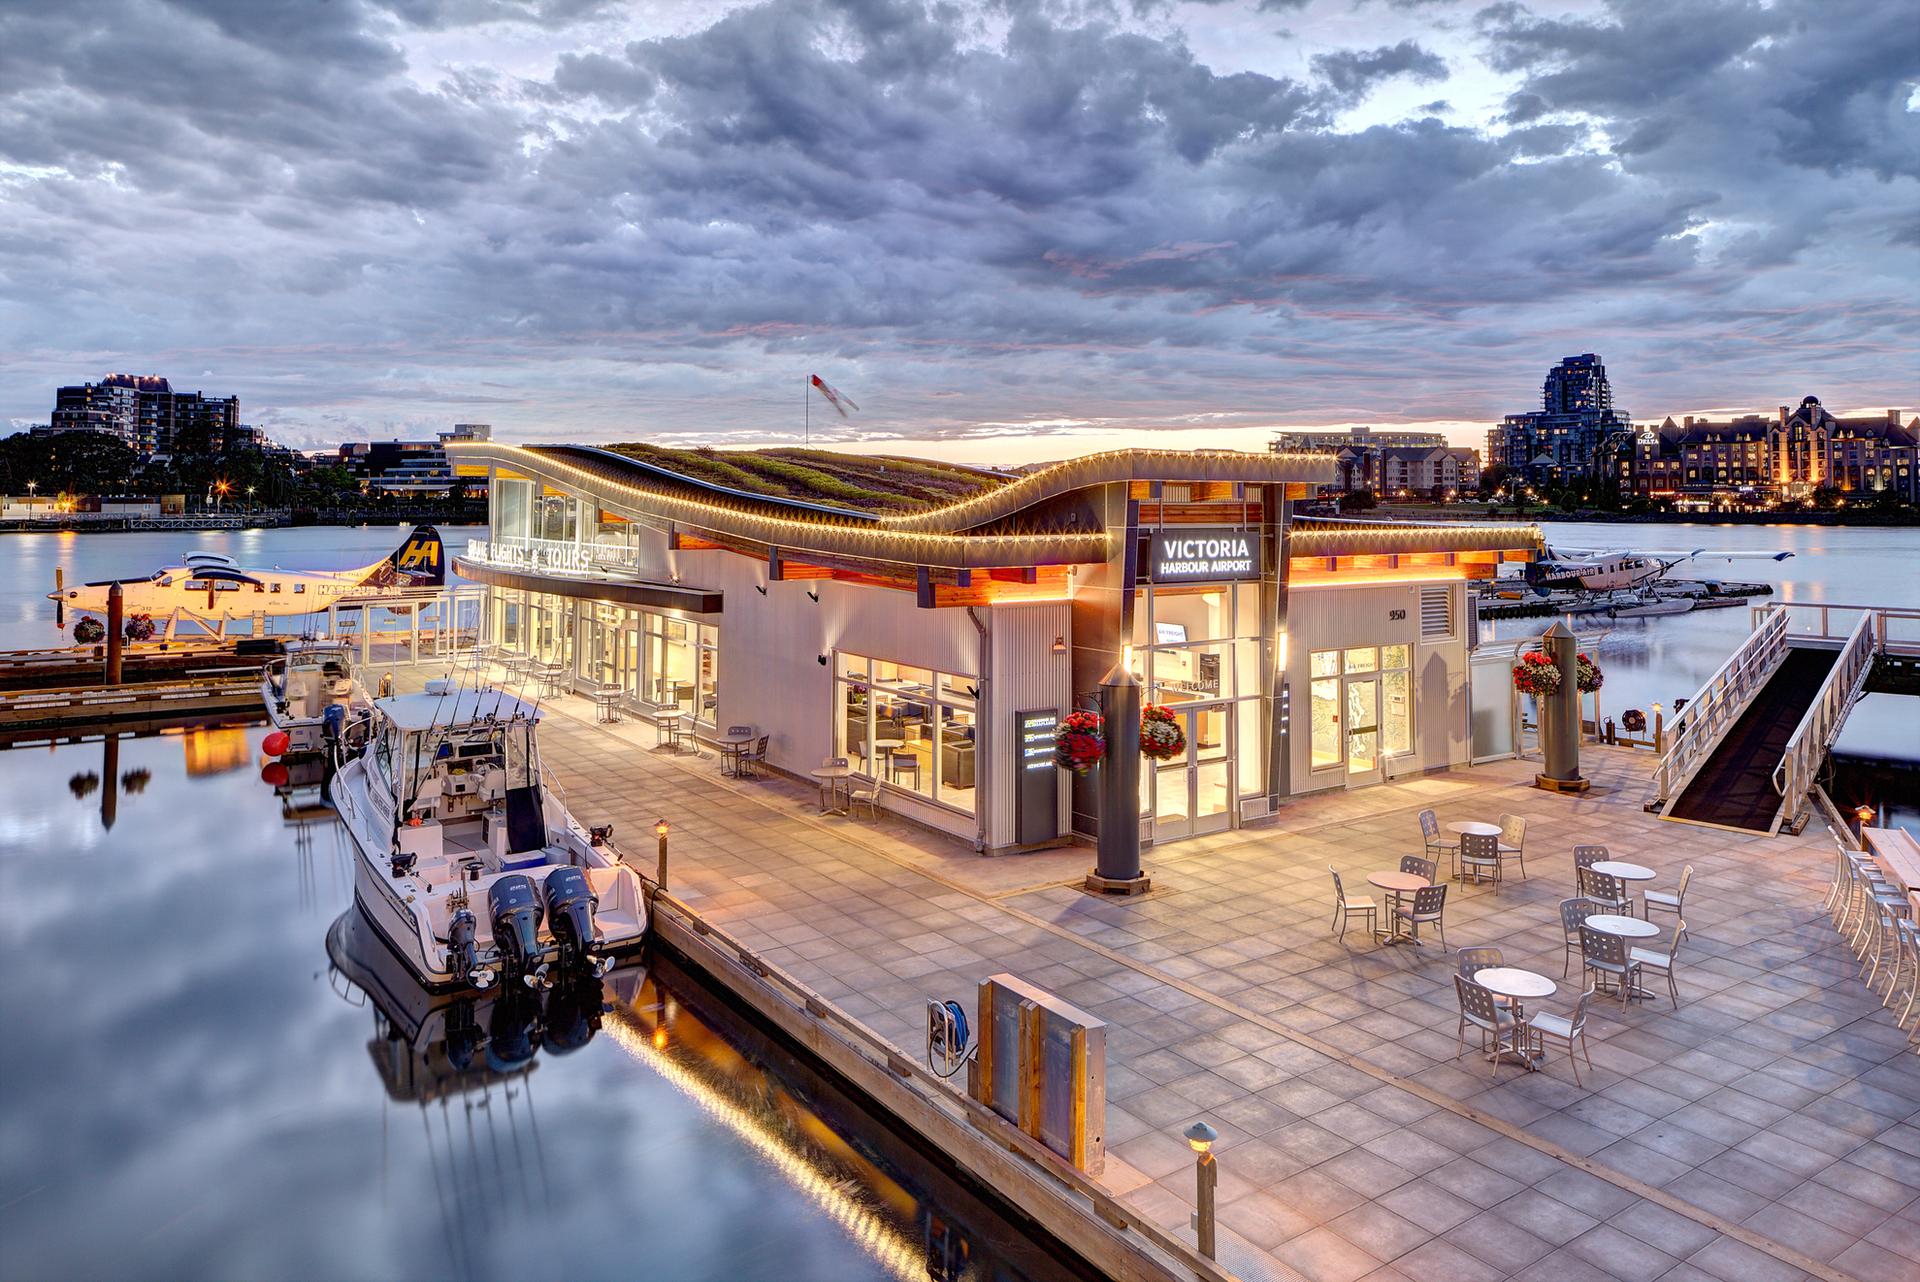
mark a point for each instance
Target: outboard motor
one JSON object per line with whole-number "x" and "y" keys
{"x": 574, "y": 1008}
{"x": 514, "y": 906}
{"x": 570, "y": 905}
{"x": 464, "y": 1038}
{"x": 513, "y": 1031}
{"x": 333, "y": 722}
{"x": 460, "y": 944}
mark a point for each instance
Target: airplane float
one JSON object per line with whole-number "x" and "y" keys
{"x": 1572, "y": 569}
{"x": 213, "y": 591}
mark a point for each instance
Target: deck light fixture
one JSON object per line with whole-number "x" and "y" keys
{"x": 660, "y": 830}
{"x": 1206, "y": 1174}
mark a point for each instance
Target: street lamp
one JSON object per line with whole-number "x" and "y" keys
{"x": 660, "y": 831}
{"x": 249, "y": 498}
{"x": 1206, "y": 1175}
{"x": 33, "y": 488}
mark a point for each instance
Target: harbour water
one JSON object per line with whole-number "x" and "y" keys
{"x": 1651, "y": 660}
{"x": 196, "y": 1090}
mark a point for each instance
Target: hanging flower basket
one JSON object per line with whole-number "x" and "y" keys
{"x": 89, "y": 631}
{"x": 139, "y": 628}
{"x": 1589, "y": 677}
{"x": 1162, "y": 738}
{"x": 1536, "y": 674}
{"x": 1081, "y": 742}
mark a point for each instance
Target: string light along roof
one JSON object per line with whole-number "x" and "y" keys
{"x": 944, "y": 536}
{"x": 1325, "y": 537}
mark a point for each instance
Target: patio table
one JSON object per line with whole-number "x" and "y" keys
{"x": 1626, "y": 928}
{"x": 832, "y": 778}
{"x": 1397, "y": 883}
{"x": 1517, "y": 985}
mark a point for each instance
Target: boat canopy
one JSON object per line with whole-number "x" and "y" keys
{"x": 416, "y": 712}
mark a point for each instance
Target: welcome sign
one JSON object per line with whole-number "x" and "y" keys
{"x": 1196, "y": 554}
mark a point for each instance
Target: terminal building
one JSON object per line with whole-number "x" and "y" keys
{"x": 936, "y": 644}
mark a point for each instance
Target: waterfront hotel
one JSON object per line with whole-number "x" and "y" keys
{"x": 935, "y": 643}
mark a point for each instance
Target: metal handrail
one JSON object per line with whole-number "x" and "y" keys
{"x": 1718, "y": 701}
{"x": 959, "y": 1107}
{"x": 1795, "y": 773}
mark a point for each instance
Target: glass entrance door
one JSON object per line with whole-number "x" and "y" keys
{"x": 1363, "y": 729}
{"x": 1194, "y": 794}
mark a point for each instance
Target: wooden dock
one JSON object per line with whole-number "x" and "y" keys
{"x": 147, "y": 701}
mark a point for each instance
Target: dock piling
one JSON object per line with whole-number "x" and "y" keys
{"x": 116, "y": 609}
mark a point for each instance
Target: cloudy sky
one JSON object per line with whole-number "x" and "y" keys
{"x": 1008, "y": 230}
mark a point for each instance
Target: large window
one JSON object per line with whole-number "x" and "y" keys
{"x": 683, "y": 665}
{"x": 911, "y": 728}
{"x": 1200, "y": 645}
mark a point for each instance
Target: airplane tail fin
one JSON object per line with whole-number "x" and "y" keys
{"x": 420, "y": 562}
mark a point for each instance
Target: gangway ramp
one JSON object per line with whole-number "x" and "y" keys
{"x": 1749, "y": 746}
{"x": 1734, "y": 787}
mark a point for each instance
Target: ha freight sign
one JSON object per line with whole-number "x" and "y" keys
{"x": 1199, "y": 554}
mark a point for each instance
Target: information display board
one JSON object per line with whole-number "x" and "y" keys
{"x": 1036, "y": 783}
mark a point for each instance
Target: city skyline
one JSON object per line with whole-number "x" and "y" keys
{"x": 1011, "y": 233}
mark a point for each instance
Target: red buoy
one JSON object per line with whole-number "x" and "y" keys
{"x": 274, "y": 774}
{"x": 274, "y": 744}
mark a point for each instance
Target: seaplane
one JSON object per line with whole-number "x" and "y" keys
{"x": 213, "y": 590}
{"x": 1576, "y": 570}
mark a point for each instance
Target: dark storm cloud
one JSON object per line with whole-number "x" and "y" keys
{"x": 1065, "y": 213}
{"x": 1353, "y": 72}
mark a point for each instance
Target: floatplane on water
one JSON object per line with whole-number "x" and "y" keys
{"x": 213, "y": 590}
{"x": 467, "y": 862}
{"x": 1575, "y": 569}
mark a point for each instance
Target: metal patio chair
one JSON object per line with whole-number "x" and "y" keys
{"x": 1429, "y": 905}
{"x": 1547, "y": 1026}
{"x": 1605, "y": 954}
{"x": 1480, "y": 856}
{"x": 1588, "y": 856}
{"x": 1438, "y": 843}
{"x": 1512, "y": 839}
{"x": 1572, "y": 913}
{"x": 1648, "y": 959}
{"x": 1672, "y": 902}
{"x": 1346, "y": 906}
{"x": 1606, "y": 891}
{"x": 1498, "y": 1034}
{"x": 1471, "y": 961}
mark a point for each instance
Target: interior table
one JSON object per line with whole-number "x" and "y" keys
{"x": 1397, "y": 883}
{"x": 1517, "y": 986}
{"x": 832, "y": 780}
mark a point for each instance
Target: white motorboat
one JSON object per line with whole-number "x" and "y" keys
{"x": 466, "y": 860}
{"x": 298, "y": 689}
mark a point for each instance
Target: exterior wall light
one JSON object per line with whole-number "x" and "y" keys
{"x": 1059, "y": 645}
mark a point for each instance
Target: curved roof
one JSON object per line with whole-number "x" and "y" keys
{"x": 946, "y": 536}
{"x": 1322, "y": 536}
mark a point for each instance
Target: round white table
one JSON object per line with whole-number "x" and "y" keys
{"x": 1623, "y": 870}
{"x": 831, "y": 778}
{"x": 1626, "y": 928}
{"x": 1397, "y": 883}
{"x": 1469, "y": 829}
{"x": 1517, "y": 986}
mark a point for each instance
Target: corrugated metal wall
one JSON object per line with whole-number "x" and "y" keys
{"x": 1027, "y": 674}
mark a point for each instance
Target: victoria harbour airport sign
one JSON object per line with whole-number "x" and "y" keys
{"x": 1198, "y": 553}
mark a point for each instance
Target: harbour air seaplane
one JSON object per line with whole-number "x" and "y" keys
{"x": 212, "y": 590}
{"x": 1575, "y": 570}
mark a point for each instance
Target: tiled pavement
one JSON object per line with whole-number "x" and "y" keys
{"x": 1765, "y": 1129}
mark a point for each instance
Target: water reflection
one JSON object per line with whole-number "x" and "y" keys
{"x": 188, "y": 1094}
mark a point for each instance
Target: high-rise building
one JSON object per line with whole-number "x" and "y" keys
{"x": 144, "y": 411}
{"x": 1575, "y": 434}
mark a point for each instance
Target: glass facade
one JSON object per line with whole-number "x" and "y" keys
{"x": 657, "y": 660}
{"x": 1196, "y": 650}
{"x": 910, "y": 728}
{"x": 1360, "y": 707}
